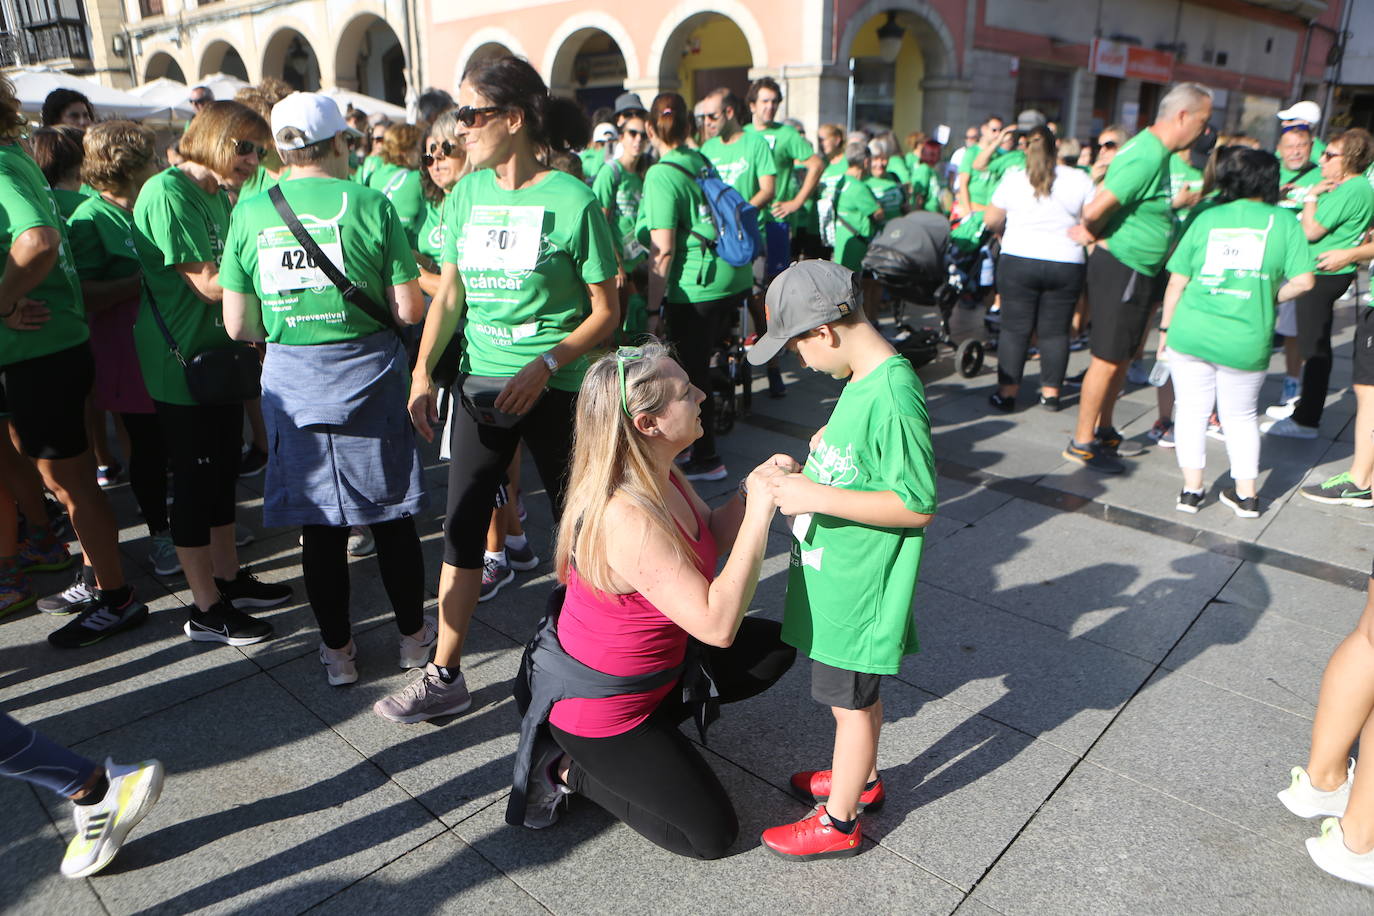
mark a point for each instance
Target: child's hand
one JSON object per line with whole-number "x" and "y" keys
{"x": 816, "y": 439}
{"x": 786, "y": 462}
{"x": 793, "y": 494}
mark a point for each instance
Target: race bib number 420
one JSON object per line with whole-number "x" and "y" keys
{"x": 284, "y": 266}
{"x": 502, "y": 238}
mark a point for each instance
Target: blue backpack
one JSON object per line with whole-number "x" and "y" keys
{"x": 736, "y": 220}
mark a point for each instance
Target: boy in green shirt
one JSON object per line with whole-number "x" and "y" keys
{"x": 860, "y": 508}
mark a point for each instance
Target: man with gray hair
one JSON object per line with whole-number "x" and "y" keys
{"x": 1130, "y": 222}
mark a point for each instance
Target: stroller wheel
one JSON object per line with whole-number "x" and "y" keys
{"x": 969, "y": 358}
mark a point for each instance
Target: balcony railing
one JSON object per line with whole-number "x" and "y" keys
{"x": 37, "y": 42}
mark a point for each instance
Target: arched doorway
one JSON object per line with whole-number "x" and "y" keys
{"x": 370, "y": 60}
{"x": 290, "y": 58}
{"x": 220, "y": 57}
{"x": 163, "y": 64}
{"x": 590, "y": 67}
{"x": 898, "y": 48}
{"x": 706, "y": 51}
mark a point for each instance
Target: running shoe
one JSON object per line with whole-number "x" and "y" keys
{"x": 520, "y": 512}
{"x": 71, "y": 600}
{"x": 107, "y": 475}
{"x": 100, "y": 620}
{"x": 426, "y": 697}
{"x": 1001, "y": 402}
{"x": 1136, "y": 373}
{"x": 339, "y": 665}
{"x": 360, "y": 542}
{"x": 1108, "y": 440}
{"x": 522, "y": 558}
{"x": 813, "y": 787}
{"x": 1092, "y": 457}
{"x": 416, "y": 650}
{"x": 1214, "y": 430}
{"x": 545, "y": 793}
{"x": 1167, "y": 440}
{"x": 227, "y": 624}
{"x": 247, "y": 590}
{"x": 495, "y": 574}
{"x": 1280, "y": 411}
{"x": 704, "y": 469}
{"x": 59, "y": 521}
{"x": 1188, "y": 502}
{"x": 1078, "y": 343}
{"x": 1340, "y": 490}
{"x": 1051, "y": 403}
{"x": 813, "y": 837}
{"x": 1292, "y": 390}
{"x": 102, "y": 827}
{"x": 243, "y": 535}
{"x": 253, "y": 462}
{"x": 163, "y": 556}
{"x": 1075, "y": 381}
{"x": 1288, "y": 428}
{"x": 1158, "y": 430}
{"x": 1306, "y": 800}
{"x": 1332, "y": 856}
{"x": 680, "y": 460}
{"x": 49, "y": 556}
{"x": 1243, "y": 506}
{"x": 15, "y": 593}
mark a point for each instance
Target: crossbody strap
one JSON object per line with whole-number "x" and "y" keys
{"x": 709, "y": 244}
{"x": 351, "y": 293}
{"x": 162, "y": 325}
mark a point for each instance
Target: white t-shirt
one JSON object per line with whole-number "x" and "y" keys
{"x": 1039, "y": 227}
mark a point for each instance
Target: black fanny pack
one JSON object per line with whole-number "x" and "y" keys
{"x": 479, "y": 393}
{"x": 225, "y": 375}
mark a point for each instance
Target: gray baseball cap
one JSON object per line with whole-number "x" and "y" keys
{"x": 802, "y": 298}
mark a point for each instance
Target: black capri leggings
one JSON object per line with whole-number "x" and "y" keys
{"x": 480, "y": 456}
{"x": 1314, "y": 310}
{"x": 695, "y": 329}
{"x": 324, "y": 564}
{"x": 148, "y": 468}
{"x": 1037, "y": 296}
{"x": 204, "y": 445}
{"x": 653, "y": 778}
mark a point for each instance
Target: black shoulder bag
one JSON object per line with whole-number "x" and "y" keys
{"x": 224, "y": 375}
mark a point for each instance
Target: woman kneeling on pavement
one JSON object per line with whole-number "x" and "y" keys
{"x": 1218, "y": 325}
{"x": 637, "y": 550}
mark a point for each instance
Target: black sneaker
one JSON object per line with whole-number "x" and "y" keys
{"x": 73, "y": 599}
{"x": 1244, "y": 507}
{"x": 1002, "y": 402}
{"x": 1051, "y": 403}
{"x": 247, "y": 590}
{"x": 252, "y": 462}
{"x": 704, "y": 469}
{"x": 225, "y": 623}
{"x": 1188, "y": 502}
{"x": 1109, "y": 441}
{"x": 1093, "y": 457}
{"x": 99, "y": 620}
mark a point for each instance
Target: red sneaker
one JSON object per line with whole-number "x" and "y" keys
{"x": 813, "y": 786}
{"x": 813, "y": 837}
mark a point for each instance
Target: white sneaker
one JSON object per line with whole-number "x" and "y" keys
{"x": 545, "y": 793}
{"x": 102, "y": 827}
{"x": 1280, "y": 411}
{"x": 416, "y": 650}
{"x": 339, "y": 664}
{"x": 1306, "y": 800}
{"x": 1332, "y": 856}
{"x": 1288, "y": 429}
{"x": 360, "y": 542}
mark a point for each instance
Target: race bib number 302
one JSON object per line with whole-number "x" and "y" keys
{"x": 502, "y": 238}
{"x": 284, "y": 266}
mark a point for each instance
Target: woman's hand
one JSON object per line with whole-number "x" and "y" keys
{"x": 793, "y": 494}
{"x": 522, "y": 391}
{"x": 757, "y": 483}
{"x": 1163, "y": 344}
{"x": 1321, "y": 187}
{"x": 815, "y": 442}
{"x": 786, "y": 462}
{"x": 26, "y": 315}
{"x": 424, "y": 413}
{"x": 1336, "y": 259}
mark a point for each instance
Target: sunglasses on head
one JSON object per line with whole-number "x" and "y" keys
{"x": 442, "y": 151}
{"x": 469, "y": 116}
{"x": 244, "y": 147}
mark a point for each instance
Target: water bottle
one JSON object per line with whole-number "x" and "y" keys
{"x": 1159, "y": 375}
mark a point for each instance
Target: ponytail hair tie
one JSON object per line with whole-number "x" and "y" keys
{"x": 667, "y": 111}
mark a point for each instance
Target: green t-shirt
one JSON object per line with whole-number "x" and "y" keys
{"x": 897, "y": 166}
{"x": 430, "y": 241}
{"x": 177, "y": 222}
{"x": 1140, "y": 230}
{"x": 593, "y": 160}
{"x": 526, "y": 258}
{"x": 26, "y": 202}
{"x": 358, "y": 230}
{"x": 1000, "y": 165}
{"x": 1182, "y": 177}
{"x": 1317, "y": 147}
{"x": 854, "y": 208}
{"x": 102, "y": 239}
{"x": 1236, "y": 256}
{"x": 788, "y": 148}
{"x": 672, "y": 200}
{"x": 402, "y": 187}
{"x": 925, "y": 187}
{"x": 365, "y": 169}
{"x": 67, "y": 201}
{"x": 261, "y": 183}
{"x": 741, "y": 163}
{"x": 1346, "y": 212}
{"x": 982, "y": 184}
{"x": 1298, "y": 186}
{"x": 889, "y": 193}
{"x": 619, "y": 190}
{"x": 850, "y": 586}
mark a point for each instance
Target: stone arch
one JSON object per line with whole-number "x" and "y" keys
{"x": 490, "y": 40}
{"x": 370, "y": 58}
{"x": 569, "y": 37}
{"x": 279, "y": 59}
{"x": 160, "y": 64}
{"x": 929, "y": 29}
{"x": 220, "y": 56}
{"x": 687, "y": 17}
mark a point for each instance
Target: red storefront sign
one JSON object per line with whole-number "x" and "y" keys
{"x": 1114, "y": 58}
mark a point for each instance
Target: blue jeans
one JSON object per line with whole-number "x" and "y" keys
{"x": 25, "y": 754}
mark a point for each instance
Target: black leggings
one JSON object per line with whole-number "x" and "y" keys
{"x": 1037, "y": 296}
{"x": 324, "y": 564}
{"x": 148, "y": 468}
{"x": 695, "y": 329}
{"x": 1314, "y": 310}
{"x": 480, "y": 458}
{"x": 654, "y": 779}
{"x": 204, "y": 445}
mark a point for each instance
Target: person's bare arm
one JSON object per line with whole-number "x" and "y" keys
{"x": 1172, "y": 293}
{"x": 441, "y": 321}
{"x": 767, "y": 186}
{"x": 203, "y": 279}
{"x": 1338, "y": 258}
{"x": 661, "y": 242}
{"x": 796, "y": 494}
{"x": 814, "y": 167}
{"x": 1094, "y": 218}
{"x": 32, "y": 255}
{"x": 994, "y": 218}
{"x": 243, "y": 317}
{"x": 407, "y": 303}
{"x": 1296, "y": 286}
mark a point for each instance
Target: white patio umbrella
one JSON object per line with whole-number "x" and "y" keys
{"x": 221, "y": 85}
{"x": 32, "y": 85}
{"x": 346, "y": 97}
{"x": 168, "y": 92}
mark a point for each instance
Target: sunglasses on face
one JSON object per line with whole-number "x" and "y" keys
{"x": 379, "y": 138}
{"x": 713, "y": 115}
{"x": 1107, "y": 144}
{"x": 442, "y": 151}
{"x": 244, "y": 147}
{"x": 631, "y": 132}
{"x": 469, "y": 116}
{"x": 1327, "y": 154}
{"x": 199, "y": 102}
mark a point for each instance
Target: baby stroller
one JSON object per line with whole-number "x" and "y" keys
{"x": 914, "y": 260}
{"x": 731, "y": 378}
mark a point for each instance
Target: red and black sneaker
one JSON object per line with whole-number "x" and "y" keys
{"x": 813, "y": 837}
{"x": 813, "y": 786}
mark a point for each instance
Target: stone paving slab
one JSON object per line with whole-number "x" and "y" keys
{"x": 1280, "y": 593}
{"x": 31, "y": 849}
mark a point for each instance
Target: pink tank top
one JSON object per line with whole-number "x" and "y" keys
{"x": 622, "y": 635}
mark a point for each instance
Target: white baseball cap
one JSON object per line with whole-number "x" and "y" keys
{"x": 1310, "y": 112}
{"x": 604, "y": 132}
{"x": 316, "y": 116}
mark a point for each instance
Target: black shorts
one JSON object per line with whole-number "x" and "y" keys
{"x": 842, "y": 688}
{"x": 1364, "y": 345}
{"x": 46, "y": 398}
{"x": 1120, "y": 298}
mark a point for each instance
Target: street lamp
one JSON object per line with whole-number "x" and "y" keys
{"x": 890, "y": 38}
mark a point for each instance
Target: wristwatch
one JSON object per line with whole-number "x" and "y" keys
{"x": 550, "y": 361}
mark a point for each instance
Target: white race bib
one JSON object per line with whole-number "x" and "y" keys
{"x": 1234, "y": 249}
{"x": 284, "y": 266}
{"x": 634, "y": 250}
{"x": 502, "y": 238}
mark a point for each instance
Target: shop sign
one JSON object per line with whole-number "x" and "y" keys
{"x": 1124, "y": 61}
